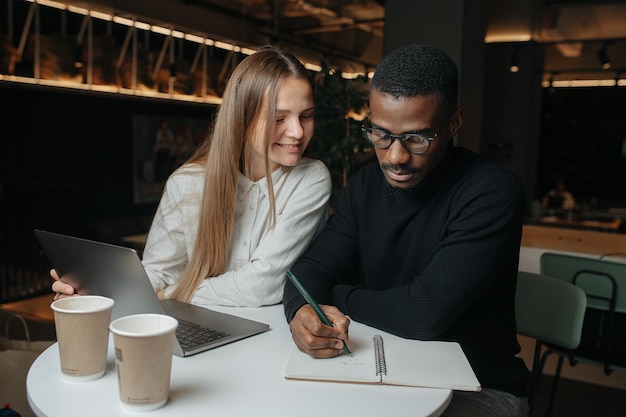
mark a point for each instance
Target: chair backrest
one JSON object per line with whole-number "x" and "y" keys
{"x": 601, "y": 279}
{"x": 549, "y": 310}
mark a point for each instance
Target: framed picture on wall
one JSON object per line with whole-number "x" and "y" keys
{"x": 160, "y": 145}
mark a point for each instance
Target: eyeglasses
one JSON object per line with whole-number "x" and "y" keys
{"x": 414, "y": 142}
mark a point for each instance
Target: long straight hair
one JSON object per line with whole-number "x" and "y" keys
{"x": 251, "y": 88}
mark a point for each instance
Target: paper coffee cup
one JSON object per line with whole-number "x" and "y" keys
{"x": 82, "y": 329}
{"x": 144, "y": 344}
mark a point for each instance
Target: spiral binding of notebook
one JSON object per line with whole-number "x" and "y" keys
{"x": 379, "y": 352}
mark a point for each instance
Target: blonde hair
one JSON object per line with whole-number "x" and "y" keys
{"x": 227, "y": 152}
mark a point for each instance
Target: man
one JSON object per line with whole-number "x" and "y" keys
{"x": 424, "y": 245}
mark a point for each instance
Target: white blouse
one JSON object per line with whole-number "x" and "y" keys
{"x": 259, "y": 255}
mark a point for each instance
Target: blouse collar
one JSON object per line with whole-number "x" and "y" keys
{"x": 246, "y": 184}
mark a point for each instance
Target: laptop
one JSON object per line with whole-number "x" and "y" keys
{"x": 117, "y": 272}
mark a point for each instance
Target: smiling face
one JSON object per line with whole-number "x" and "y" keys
{"x": 292, "y": 130}
{"x": 401, "y": 168}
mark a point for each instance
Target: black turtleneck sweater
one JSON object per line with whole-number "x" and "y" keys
{"x": 437, "y": 262}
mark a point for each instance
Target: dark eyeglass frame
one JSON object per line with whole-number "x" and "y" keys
{"x": 367, "y": 132}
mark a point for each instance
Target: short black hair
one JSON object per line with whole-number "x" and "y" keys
{"x": 418, "y": 70}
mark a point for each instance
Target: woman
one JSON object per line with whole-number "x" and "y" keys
{"x": 246, "y": 205}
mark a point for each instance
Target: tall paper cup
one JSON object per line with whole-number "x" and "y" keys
{"x": 144, "y": 344}
{"x": 82, "y": 329}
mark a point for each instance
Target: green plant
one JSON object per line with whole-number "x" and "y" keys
{"x": 340, "y": 104}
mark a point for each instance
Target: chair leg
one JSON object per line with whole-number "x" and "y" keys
{"x": 557, "y": 376}
{"x": 537, "y": 368}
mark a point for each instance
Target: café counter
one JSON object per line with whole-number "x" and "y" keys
{"x": 539, "y": 239}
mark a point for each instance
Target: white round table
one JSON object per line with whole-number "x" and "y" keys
{"x": 244, "y": 378}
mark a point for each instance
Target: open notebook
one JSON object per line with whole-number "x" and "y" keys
{"x": 381, "y": 358}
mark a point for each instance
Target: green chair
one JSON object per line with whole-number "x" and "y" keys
{"x": 603, "y": 338}
{"x": 550, "y": 311}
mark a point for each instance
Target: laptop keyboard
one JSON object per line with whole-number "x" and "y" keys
{"x": 191, "y": 335}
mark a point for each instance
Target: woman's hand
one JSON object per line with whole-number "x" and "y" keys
{"x": 61, "y": 288}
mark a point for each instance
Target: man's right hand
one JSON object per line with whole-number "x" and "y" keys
{"x": 61, "y": 288}
{"x": 314, "y": 337}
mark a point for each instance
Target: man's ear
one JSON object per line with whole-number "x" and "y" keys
{"x": 456, "y": 121}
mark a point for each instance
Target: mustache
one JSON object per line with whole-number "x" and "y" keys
{"x": 400, "y": 169}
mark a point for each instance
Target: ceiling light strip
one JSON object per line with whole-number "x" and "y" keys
{"x": 583, "y": 83}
